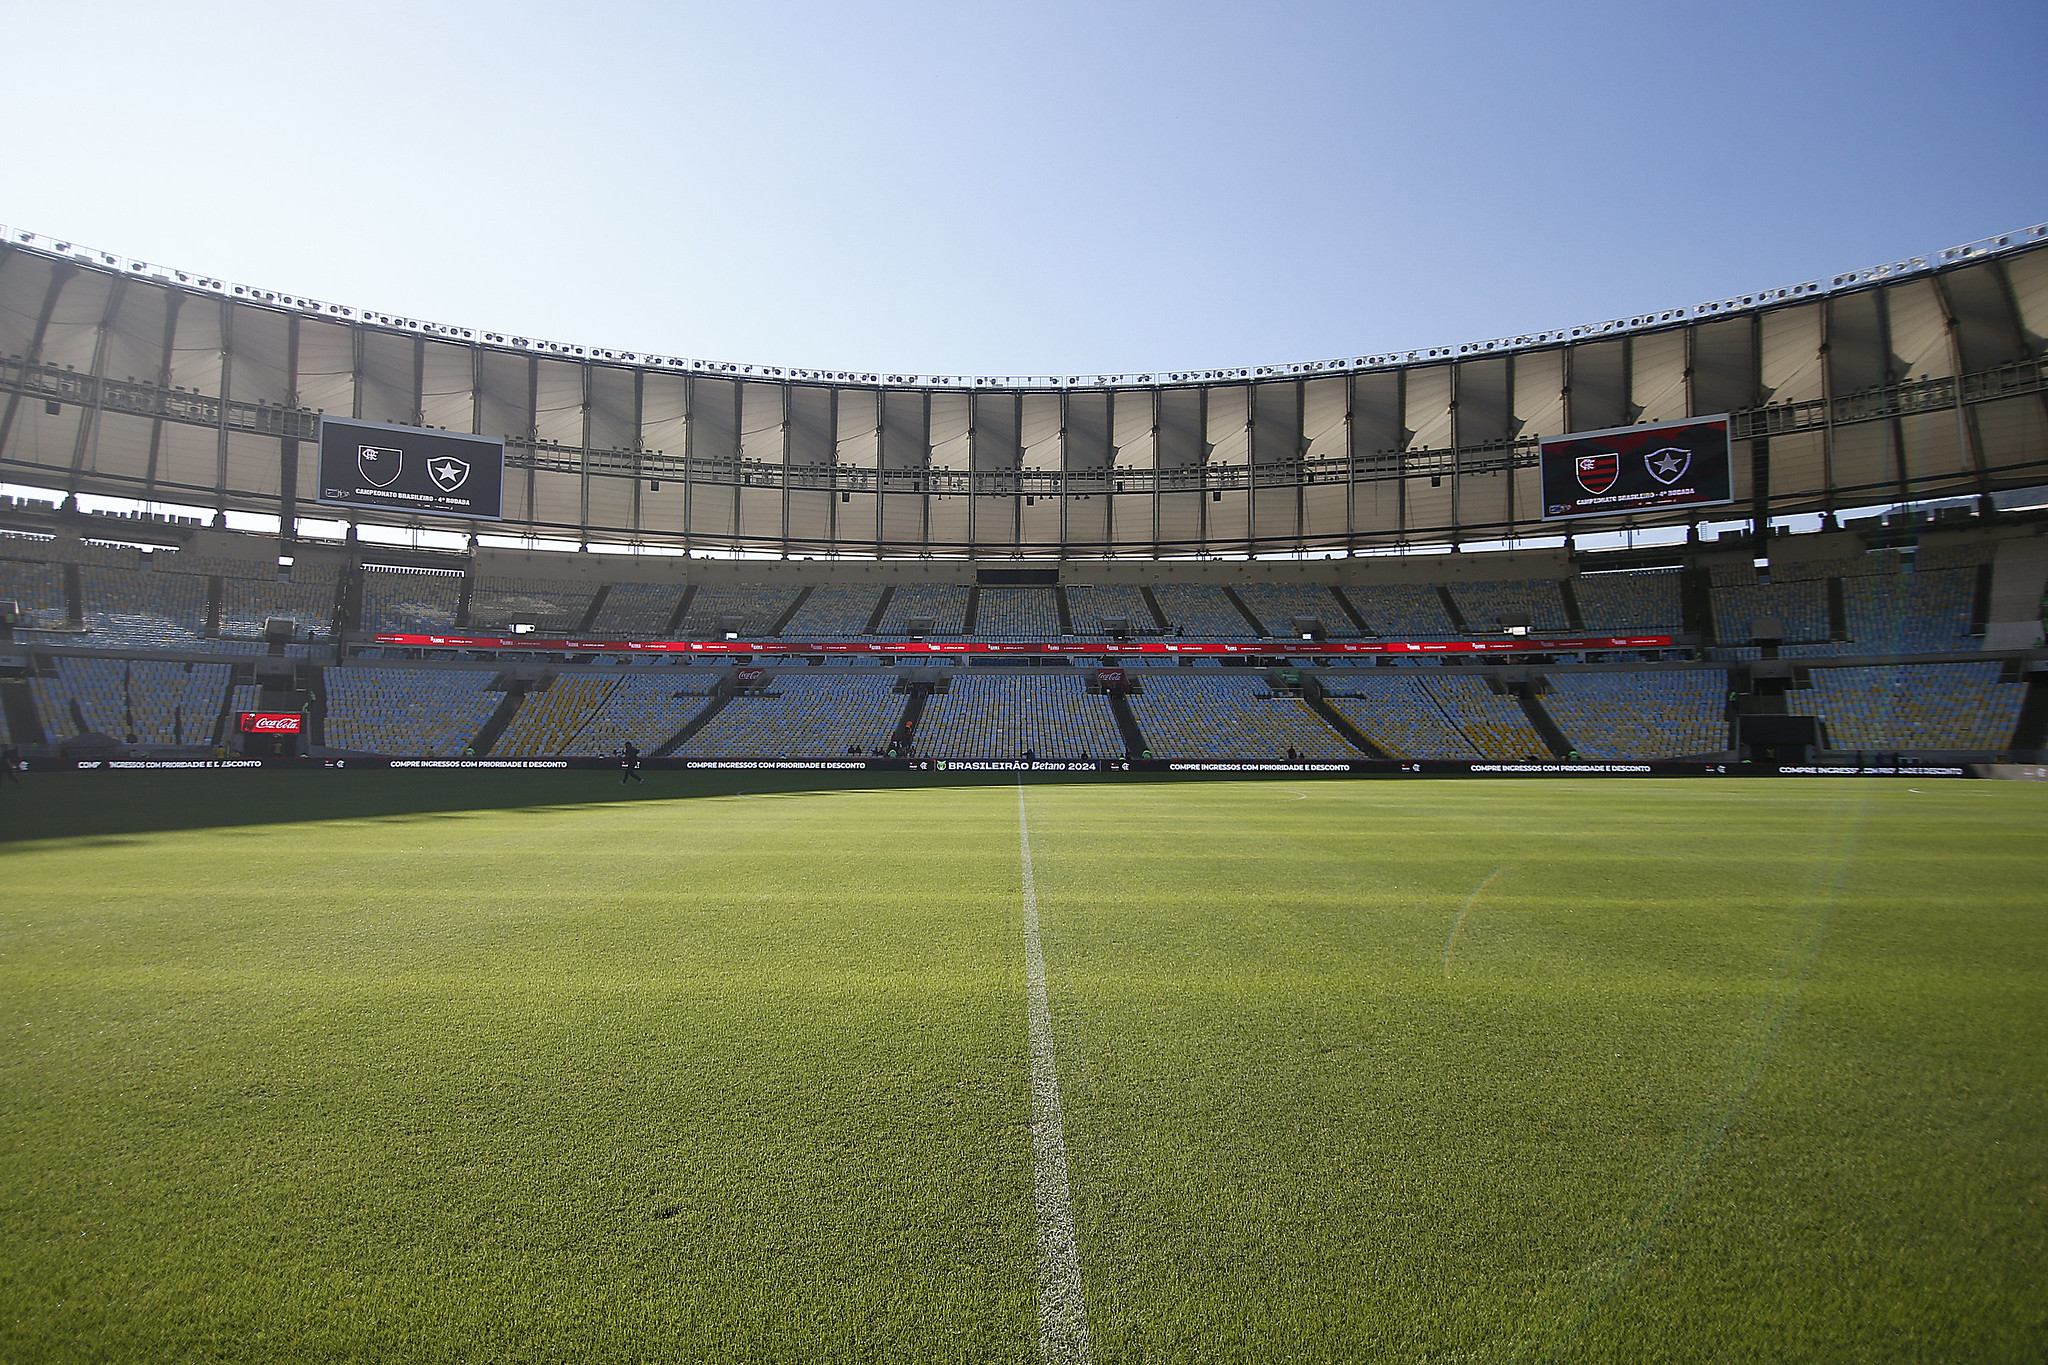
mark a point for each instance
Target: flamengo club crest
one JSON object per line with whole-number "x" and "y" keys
{"x": 1597, "y": 472}
{"x": 448, "y": 472}
{"x": 379, "y": 465}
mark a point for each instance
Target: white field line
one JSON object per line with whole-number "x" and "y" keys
{"x": 1062, "y": 1316}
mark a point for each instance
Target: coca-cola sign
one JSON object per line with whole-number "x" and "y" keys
{"x": 272, "y": 722}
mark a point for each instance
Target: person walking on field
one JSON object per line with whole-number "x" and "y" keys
{"x": 629, "y": 764}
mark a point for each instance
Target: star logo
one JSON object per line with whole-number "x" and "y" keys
{"x": 1668, "y": 464}
{"x": 449, "y": 472}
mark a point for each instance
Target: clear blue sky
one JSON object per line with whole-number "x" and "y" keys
{"x": 1055, "y": 187}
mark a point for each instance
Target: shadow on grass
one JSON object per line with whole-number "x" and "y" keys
{"x": 97, "y": 807}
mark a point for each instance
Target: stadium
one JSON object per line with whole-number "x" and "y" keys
{"x": 1043, "y": 926}
{"x": 941, "y": 568}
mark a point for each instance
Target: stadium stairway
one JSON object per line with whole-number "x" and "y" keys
{"x": 681, "y": 613}
{"x": 18, "y": 704}
{"x": 1152, "y": 605}
{"x": 1568, "y": 593}
{"x": 1544, "y": 724}
{"x": 1350, "y": 609}
{"x": 1312, "y": 695}
{"x": 2031, "y": 731}
{"x": 1452, "y": 609}
{"x": 597, "y": 600}
{"x": 487, "y": 735}
{"x": 1258, "y": 626}
{"x": 881, "y": 609}
{"x": 695, "y": 723}
{"x": 1127, "y": 725}
{"x": 789, "y": 613}
{"x": 905, "y": 732}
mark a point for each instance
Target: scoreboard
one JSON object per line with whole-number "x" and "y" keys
{"x": 1624, "y": 470}
{"x": 410, "y": 469}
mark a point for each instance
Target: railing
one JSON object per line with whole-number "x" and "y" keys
{"x": 50, "y": 383}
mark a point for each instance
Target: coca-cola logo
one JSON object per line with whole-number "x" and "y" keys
{"x": 269, "y": 723}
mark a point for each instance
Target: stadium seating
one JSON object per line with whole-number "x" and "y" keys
{"x": 1017, "y": 613}
{"x": 1437, "y": 713}
{"x": 1802, "y": 606}
{"x": 833, "y": 611}
{"x": 245, "y": 604}
{"x": 550, "y": 722}
{"x": 944, "y": 603}
{"x": 762, "y": 604}
{"x": 404, "y": 602}
{"x": 1001, "y": 713}
{"x": 142, "y": 608}
{"x": 1920, "y": 611}
{"x": 1914, "y": 706}
{"x": 1088, "y": 604}
{"x": 1646, "y": 601}
{"x": 413, "y": 711}
{"x": 1277, "y": 604}
{"x": 1483, "y": 604}
{"x": 549, "y": 607}
{"x": 636, "y": 610}
{"x": 1402, "y": 609}
{"x": 642, "y": 707}
{"x": 135, "y": 701}
{"x": 1196, "y": 714}
{"x": 1199, "y": 610}
{"x": 809, "y": 716}
{"x": 37, "y": 588}
{"x": 1666, "y": 713}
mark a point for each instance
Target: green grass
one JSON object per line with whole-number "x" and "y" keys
{"x": 424, "y": 1066}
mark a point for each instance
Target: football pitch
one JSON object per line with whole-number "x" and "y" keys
{"x": 526, "y": 1067}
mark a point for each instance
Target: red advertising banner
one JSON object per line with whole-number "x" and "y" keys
{"x": 1301, "y": 649}
{"x": 272, "y": 722}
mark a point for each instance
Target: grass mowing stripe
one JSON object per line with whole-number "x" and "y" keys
{"x": 1451, "y": 939}
{"x": 1839, "y": 847}
{"x": 1062, "y": 1315}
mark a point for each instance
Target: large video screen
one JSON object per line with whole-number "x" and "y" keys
{"x": 410, "y": 469}
{"x": 1636, "y": 469}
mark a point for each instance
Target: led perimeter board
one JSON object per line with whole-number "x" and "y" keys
{"x": 1637, "y": 469}
{"x": 410, "y": 469}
